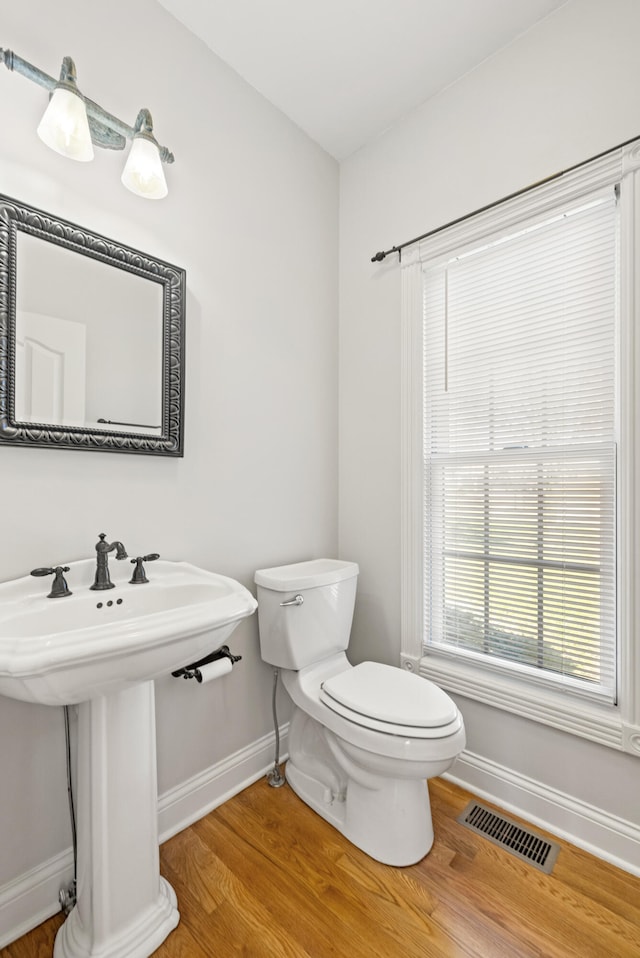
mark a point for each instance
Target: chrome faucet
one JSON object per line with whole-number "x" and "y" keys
{"x": 103, "y": 579}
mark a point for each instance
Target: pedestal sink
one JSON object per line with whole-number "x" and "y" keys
{"x": 102, "y": 651}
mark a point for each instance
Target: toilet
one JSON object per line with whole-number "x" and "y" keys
{"x": 363, "y": 739}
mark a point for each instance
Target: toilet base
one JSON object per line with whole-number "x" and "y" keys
{"x": 390, "y": 822}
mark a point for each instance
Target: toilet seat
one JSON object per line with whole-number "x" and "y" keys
{"x": 386, "y": 699}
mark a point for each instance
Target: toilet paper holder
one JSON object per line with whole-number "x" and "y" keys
{"x": 193, "y": 671}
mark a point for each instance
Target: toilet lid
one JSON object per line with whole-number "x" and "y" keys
{"x": 391, "y": 695}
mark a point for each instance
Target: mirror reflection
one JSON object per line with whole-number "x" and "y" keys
{"x": 88, "y": 341}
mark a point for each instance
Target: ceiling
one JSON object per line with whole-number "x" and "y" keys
{"x": 346, "y": 70}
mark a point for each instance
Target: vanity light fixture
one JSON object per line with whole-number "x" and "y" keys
{"x": 72, "y": 125}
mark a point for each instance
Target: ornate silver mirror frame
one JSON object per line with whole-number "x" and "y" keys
{"x": 165, "y": 439}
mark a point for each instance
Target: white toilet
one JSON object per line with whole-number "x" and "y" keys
{"x": 363, "y": 739}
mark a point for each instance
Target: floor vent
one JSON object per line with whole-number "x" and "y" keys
{"x": 519, "y": 841}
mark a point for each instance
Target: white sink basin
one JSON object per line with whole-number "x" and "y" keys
{"x": 68, "y": 650}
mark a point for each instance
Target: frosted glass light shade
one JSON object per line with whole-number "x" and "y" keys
{"x": 64, "y": 126}
{"x": 143, "y": 173}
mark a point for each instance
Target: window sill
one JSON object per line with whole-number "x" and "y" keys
{"x": 598, "y": 723}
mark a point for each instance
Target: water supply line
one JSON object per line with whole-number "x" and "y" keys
{"x": 67, "y": 896}
{"x": 275, "y": 777}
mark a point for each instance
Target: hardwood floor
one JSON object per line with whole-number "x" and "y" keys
{"x": 265, "y": 877}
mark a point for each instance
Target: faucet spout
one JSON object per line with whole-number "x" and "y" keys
{"x": 121, "y": 552}
{"x": 102, "y": 578}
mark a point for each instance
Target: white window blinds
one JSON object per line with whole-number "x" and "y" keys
{"x": 519, "y": 441}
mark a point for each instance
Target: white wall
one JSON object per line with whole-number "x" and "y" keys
{"x": 561, "y": 93}
{"x": 252, "y": 216}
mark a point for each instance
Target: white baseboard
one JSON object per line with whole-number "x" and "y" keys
{"x": 31, "y": 898}
{"x": 195, "y": 798}
{"x": 596, "y": 831}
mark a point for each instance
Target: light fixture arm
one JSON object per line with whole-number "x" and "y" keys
{"x": 107, "y": 131}
{"x": 68, "y": 76}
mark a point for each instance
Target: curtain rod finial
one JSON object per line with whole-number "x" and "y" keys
{"x": 378, "y": 257}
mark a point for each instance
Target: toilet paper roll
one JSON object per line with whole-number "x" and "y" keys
{"x": 213, "y": 670}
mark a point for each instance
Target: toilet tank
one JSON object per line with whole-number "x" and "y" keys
{"x": 302, "y": 632}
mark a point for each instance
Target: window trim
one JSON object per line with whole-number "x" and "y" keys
{"x": 616, "y": 726}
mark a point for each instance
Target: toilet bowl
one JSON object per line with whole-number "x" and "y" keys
{"x": 363, "y": 739}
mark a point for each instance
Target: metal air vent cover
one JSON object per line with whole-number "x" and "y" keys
{"x": 514, "y": 838}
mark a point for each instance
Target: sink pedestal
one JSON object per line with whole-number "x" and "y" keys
{"x": 124, "y": 908}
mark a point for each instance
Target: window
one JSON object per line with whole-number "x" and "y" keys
{"x": 519, "y": 391}
{"x": 518, "y": 537}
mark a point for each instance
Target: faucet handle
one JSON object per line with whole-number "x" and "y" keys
{"x": 139, "y": 575}
{"x": 59, "y": 587}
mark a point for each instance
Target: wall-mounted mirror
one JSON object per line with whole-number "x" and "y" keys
{"x": 91, "y": 339}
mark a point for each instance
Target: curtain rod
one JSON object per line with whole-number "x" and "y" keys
{"x": 382, "y": 254}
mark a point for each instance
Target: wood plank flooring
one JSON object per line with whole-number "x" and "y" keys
{"x": 264, "y": 877}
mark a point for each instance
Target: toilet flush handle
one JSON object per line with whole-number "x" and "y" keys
{"x": 297, "y": 600}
